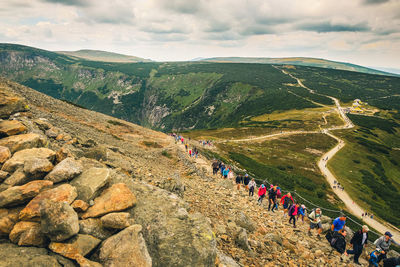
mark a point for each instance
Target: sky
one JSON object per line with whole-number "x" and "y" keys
{"x": 364, "y": 32}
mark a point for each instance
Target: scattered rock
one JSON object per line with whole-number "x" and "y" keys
{"x": 52, "y": 132}
{"x": 65, "y": 170}
{"x": 10, "y": 103}
{"x": 90, "y": 182}
{"x": 116, "y": 220}
{"x": 127, "y": 248}
{"x": 17, "y": 178}
{"x": 63, "y": 193}
{"x": 37, "y": 167}
{"x": 19, "y": 158}
{"x": 225, "y": 261}
{"x": 16, "y": 195}
{"x": 173, "y": 184}
{"x": 59, "y": 221}
{"x": 5, "y": 154}
{"x": 76, "y": 247}
{"x": 8, "y": 218}
{"x": 43, "y": 124}
{"x": 227, "y": 183}
{"x": 116, "y": 198}
{"x": 242, "y": 220}
{"x": 22, "y": 141}
{"x": 27, "y": 234}
{"x": 274, "y": 237}
{"x": 13, "y": 127}
{"x": 241, "y": 239}
{"x": 94, "y": 227}
{"x": 3, "y": 175}
{"x": 80, "y": 205}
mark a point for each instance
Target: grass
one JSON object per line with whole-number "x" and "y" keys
{"x": 151, "y": 144}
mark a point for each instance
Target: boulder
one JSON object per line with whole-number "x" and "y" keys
{"x": 5, "y": 154}
{"x": 37, "y": 167}
{"x": 19, "y": 158}
{"x": 90, "y": 182}
{"x": 67, "y": 169}
{"x": 18, "y": 178}
{"x": 17, "y": 195}
{"x": 75, "y": 247}
{"x": 80, "y": 205}
{"x": 69, "y": 151}
{"x": 59, "y": 221}
{"x": 52, "y": 132}
{"x": 274, "y": 237}
{"x": 63, "y": 193}
{"x": 127, "y": 248}
{"x": 3, "y": 175}
{"x": 242, "y": 220}
{"x": 116, "y": 198}
{"x": 13, "y": 127}
{"x": 173, "y": 184}
{"x": 8, "y": 218}
{"x": 83, "y": 262}
{"x": 94, "y": 227}
{"x": 10, "y": 103}
{"x": 22, "y": 141}
{"x": 12, "y": 256}
{"x": 116, "y": 220}
{"x": 27, "y": 234}
{"x": 241, "y": 239}
{"x": 43, "y": 124}
{"x": 225, "y": 261}
{"x": 326, "y": 219}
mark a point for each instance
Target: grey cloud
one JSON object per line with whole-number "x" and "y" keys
{"x": 224, "y": 36}
{"x": 273, "y": 21}
{"x": 217, "y": 27}
{"x": 256, "y": 30}
{"x": 330, "y": 27}
{"x": 68, "y": 2}
{"x": 375, "y": 2}
{"x": 183, "y": 6}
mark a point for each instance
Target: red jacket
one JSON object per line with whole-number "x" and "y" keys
{"x": 293, "y": 210}
{"x": 262, "y": 191}
{"x": 285, "y": 196}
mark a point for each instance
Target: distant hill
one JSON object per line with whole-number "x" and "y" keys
{"x": 97, "y": 55}
{"x": 301, "y": 61}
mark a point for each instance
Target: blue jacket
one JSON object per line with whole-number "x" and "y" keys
{"x": 338, "y": 224}
{"x": 301, "y": 211}
{"x": 373, "y": 259}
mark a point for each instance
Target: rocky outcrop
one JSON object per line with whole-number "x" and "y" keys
{"x": 20, "y": 157}
{"x": 10, "y": 103}
{"x": 66, "y": 170}
{"x": 13, "y": 127}
{"x": 22, "y": 141}
{"x": 37, "y": 167}
{"x": 116, "y": 198}
{"x": 116, "y": 220}
{"x": 5, "y": 154}
{"x": 90, "y": 182}
{"x": 127, "y": 248}
{"x": 58, "y": 220}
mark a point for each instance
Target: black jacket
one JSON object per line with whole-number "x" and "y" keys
{"x": 272, "y": 193}
{"x": 339, "y": 242}
{"x": 391, "y": 262}
{"x": 357, "y": 238}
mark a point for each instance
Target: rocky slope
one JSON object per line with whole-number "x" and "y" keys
{"x": 82, "y": 188}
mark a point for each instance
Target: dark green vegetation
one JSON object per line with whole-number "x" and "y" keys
{"x": 369, "y": 165}
{"x": 96, "y": 55}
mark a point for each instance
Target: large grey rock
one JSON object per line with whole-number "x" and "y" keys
{"x": 226, "y": 261}
{"x": 326, "y": 219}
{"x": 22, "y": 141}
{"x": 76, "y": 247}
{"x": 116, "y": 220}
{"x": 90, "y": 182}
{"x": 94, "y": 227}
{"x": 13, "y": 256}
{"x": 37, "y": 167}
{"x": 127, "y": 248}
{"x": 17, "y": 178}
{"x": 58, "y": 220}
{"x": 173, "y": 184}
{"x": 241, "y": 239}
{"x": 242, "y": 220}
{"x": 19, "y": 158}
{"x": 193, "y": 241}
{"x": 65, "y": 170}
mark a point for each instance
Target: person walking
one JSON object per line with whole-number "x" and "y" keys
{"x": 252, "y": 186}
{"x": 293, "y": 211}
{"x": 315, "y": 222}
{"x": 302, "y": 213}
{"x": 225, "y": 173}
{"x": 338, "y": 241}
{"x": 384, "y": 243}
{"x": 358, "y": 242}
{"x": 215, "y": 167}
{"x": 238, "y": 179}
{"x": 338, "y": 223}
{"x": 286, "y": 201}
{"x": 272, "y": 198}
{"x": 278, "y": 197}
{"x": 261, "y": 193}
{"x": 246, "y": 181}
{"x": 373, "y": 257}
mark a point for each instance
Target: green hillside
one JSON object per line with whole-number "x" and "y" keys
{"x": 97, "y": 55}
{"x": 301, "y": 61}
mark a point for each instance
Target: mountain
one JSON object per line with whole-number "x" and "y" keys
{"x": 303, "y": 61}
{"x": 97, "y": 55}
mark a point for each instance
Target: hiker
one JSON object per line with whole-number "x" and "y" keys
{"x": 190, "y": 152}
{"x": 272, "y": 198}
{"x": 391, "y": 262}
{"x": 278, "y": 196}
{"x": 338, "y": 223}
{"x": 337, "y": 241}
{"x": 222, "y": 169}
{"x": 373, "y": 257}
{"x": 215, "y": 167}
{"x": 186, "y": 147}
{"x": 246, "y": 181}
{"x": 197, "y": 153}
{"x": 302, "y": 212}
{"x": 238, "y": 179}
{"x": 315, "y": 221}
{"x": 286, "y": 200}
{"x": 225, "y": 173}
{"x": 252, "y": 186}
{"x": 293, "y": 210}
{"x": 261, "y": 193}
{"x": 359, "y": 241}
{"x": 384, "y": 243}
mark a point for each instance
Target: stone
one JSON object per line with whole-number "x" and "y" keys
{"x": 173, "y": 184}
{"x": 287, "y": 245}
{"x": 10, "y": 102}
{"x": 27, "y": 234}
{"x": 17, "y": 195}
{"x": 43, "y": 124}
{"x": 5, "y": 154}
{"x": 66, "y": 170}
{"x": 62, "y": 154}
{"x": 94, "y": 227}
{"x": 52, "y": 132}
{"x": 19, "y": 158}
{"x": 8, "y": 218}
{"x": 226, "y": 183}
{"x": 3, "y": 175}
{"x": 13, "y": 127}
{"x": 242, "y": 220}
{"x": 127, "y": 248}
{"x": 11, "y": 256}
{"x": 37, "y": 167}
{"x": 118, "y": 197}
{"x": 116, "y": 220}
{"x": 80, "y": 205}
{"x": 90, "y": 182}
{"x": 76, "y": 247}
{"x": 83, "y": 262}
{"x": 58, "y": 220}
{"x": 241, "y": 239}
{"x": 63, "y": 193}
{"x": 22, "y": 141}
{"x": 274, "y": 237}
{"x": 225, "y": 261}
{"x": 18, "y": 178}
{"x": 326, "y": 219}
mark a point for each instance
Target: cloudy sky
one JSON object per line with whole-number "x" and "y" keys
{"x": 365, "y": 32}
